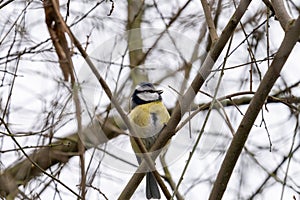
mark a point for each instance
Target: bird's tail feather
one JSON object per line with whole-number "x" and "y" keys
{"x": 152, "y": 191}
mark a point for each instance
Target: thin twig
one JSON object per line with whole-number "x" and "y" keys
{"x": 296, "y": 131}
{"x": 209, "y": 21}
{"x": 168, "y": 176}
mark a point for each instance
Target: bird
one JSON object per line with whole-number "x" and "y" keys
{"x": 148, "y": 116}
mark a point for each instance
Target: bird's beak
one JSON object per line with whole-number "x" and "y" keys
{"x": 159, "y": 91}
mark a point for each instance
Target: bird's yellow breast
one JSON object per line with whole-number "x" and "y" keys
{"x": 145, "y": 114}
{"x": 147, "y": 121}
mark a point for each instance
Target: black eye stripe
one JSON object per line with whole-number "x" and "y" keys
{"x": 150, "y": 91}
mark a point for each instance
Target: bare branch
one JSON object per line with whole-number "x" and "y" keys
{"x": 282, "y": 15}
{"x": 256, "y": 104}
{"x": 59, "y": 40}
{"x": 209, "y": 21}
{"x": 57, "y": 152}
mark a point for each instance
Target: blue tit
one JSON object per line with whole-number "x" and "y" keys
{"x": 148, "y": 116}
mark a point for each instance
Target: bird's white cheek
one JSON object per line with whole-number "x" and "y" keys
{"x": 148, "y": 96}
